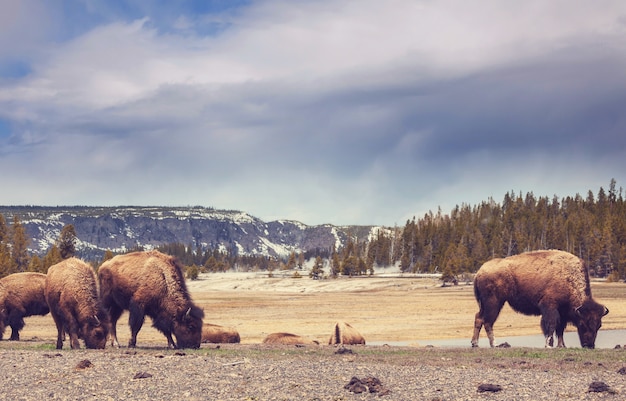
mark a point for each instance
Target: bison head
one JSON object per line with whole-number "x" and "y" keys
{"x": 95, "y": 332}
{"x": 588, "y": 320}
{"x": 188, "y": 328}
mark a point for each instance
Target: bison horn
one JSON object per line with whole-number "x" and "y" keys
{"x": 97, "y": 320}
{"x": 606, "y": 311}
{"x": 188, "y": 313}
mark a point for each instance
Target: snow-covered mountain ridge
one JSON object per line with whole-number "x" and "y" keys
{"x": 126, "y": 227}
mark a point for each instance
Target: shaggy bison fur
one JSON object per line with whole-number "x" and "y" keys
{"x": 343, "y": 333}
{"x": 288, "y": 339}
{"x": 72, "y": 295}
{"x": 150, "y": 283}
{"x": 553, "y": 284}
{"x": 21, "y": 295}
{"x": 213, "y": 333}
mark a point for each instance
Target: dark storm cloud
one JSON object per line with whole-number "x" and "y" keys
{"x": 342, "y": 112}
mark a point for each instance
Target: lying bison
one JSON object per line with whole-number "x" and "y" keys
{"x": 150, "y": 283}
{"x": 343, "y": 333}
{"x": 553, "y": 284}
{"x": 213, "y": 333}
{"x": 72, "y": 295}
{"x": 288, "y": 339}
{"x": 21, "y": 295}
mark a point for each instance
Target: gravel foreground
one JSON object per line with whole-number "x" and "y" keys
{"x": 259, "y": 372}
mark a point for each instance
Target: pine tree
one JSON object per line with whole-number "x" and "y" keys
{"x": 317, "y": 272}
{"x": 5, "y": 252}
{"x": 19, "y": 247}
{"x": 291, "y": 263}
{"x": 53, "y": 256}
{"x": 108, "y": 254}
{"x": 335, "y": 264}
{"x": 67, "y": 241}
{"x": 36, "y": 265}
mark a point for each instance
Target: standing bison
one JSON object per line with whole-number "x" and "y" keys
{"x": 553, "y": 284}
{"x": 21, "y": 295}
{"x": 72, "y": 295}
{"x": 150, "y": 283}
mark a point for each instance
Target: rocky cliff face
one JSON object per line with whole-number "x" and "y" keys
{"x": 123, "y": 228}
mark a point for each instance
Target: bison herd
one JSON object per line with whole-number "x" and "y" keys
{"x": 553, "y": 284}
{"x": 87, "y": 307}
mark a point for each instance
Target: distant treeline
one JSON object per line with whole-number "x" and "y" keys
{"x": 591, "y": 227}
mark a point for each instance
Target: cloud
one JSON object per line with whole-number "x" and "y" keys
{"x": 343, "y": 112}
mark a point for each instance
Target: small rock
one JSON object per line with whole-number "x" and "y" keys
{"x": 504, "y": 345}
{"x": 84, "y": 364}
{"x": 344, "y": 350}
{"x": 142, "y": 375}
{"x": 494, "y": 388}
{"x": 52, "y": 355}
{"x": 179, "y": 353}
{"x": 355, "y": 386}
{"x": 369, "y": 384}
{"x": 617, "y": 347}
{"x": 622, "y": 370}
{"x": 600, "y": 387}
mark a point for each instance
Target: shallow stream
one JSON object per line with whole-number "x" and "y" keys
{"x": 605, "y": 339}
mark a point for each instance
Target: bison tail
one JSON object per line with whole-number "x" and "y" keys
{"x": 476, "y": 292}
{"x": 337, "y": 334}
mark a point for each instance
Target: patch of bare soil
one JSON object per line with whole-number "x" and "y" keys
{"x": 410, "y": 309}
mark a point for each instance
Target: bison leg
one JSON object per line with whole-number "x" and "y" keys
{"x": 135, "y": 321}
{"x": 478, "y": 325}
{"x": 170, "y": 341}
{"x": 16, "y": 321}
{"x": 549, "y": 321}
{"x": 486, "y": 316}
{"x": 72, "y": 330}
{"x": 15, "y": 334}
{"x": 560, "y": 329}
{"x": 114, "y": 314}
{"x": 60, "y": 331}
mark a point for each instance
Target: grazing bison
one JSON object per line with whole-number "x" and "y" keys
{"x": 343, "y": 333}
{"x": 288, "y": 339}
{"x": 212, "y": 333}
{"x": 72, "y": 295}
{"x": 553, "y": 284}
{"x": 150, "y": 283}
{"x": 21, "y": 295}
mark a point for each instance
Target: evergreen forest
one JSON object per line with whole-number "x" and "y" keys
{"x": 452, "y": 244}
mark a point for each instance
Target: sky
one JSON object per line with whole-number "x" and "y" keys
{"x": 341, "y": 112}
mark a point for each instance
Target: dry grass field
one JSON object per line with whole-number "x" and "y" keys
{"x": 384, "y": 309}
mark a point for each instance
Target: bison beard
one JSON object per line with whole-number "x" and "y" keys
{"x": 150, "y": 283}
{"x": 553, "y": 284}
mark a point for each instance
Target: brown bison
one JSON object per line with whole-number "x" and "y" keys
{"x": 343, "y": 333}
{"x": 288, "y": 339}
{"x": 21, "y": 295}
{"x": 150, "y": 283}
{"x": 553, "y": 284}
{"x": 212, "y": 333}
{"x": 72, "y": 295}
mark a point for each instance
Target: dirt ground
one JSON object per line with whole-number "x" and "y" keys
{"x": 395, "y": 309}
